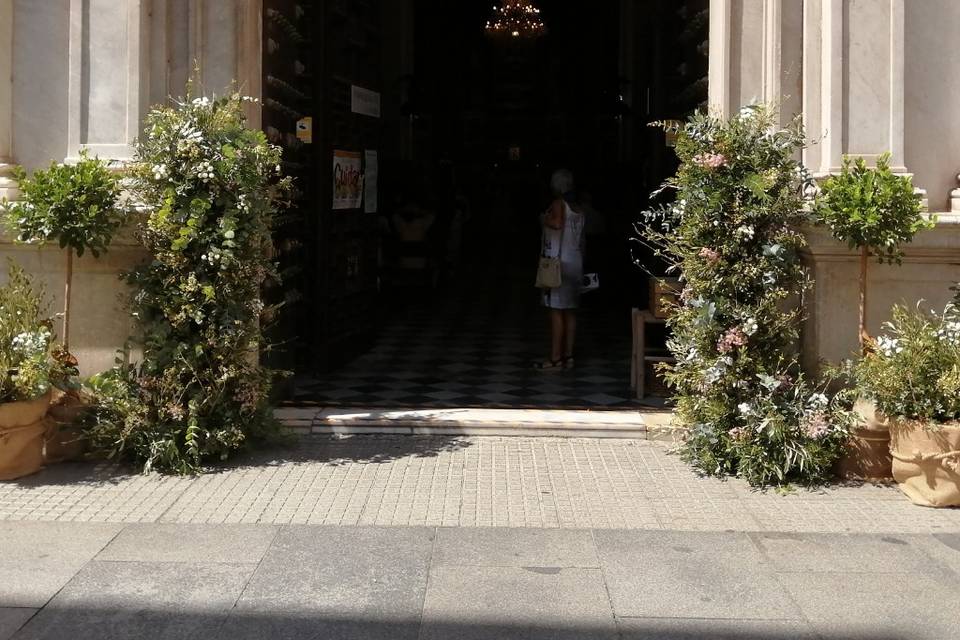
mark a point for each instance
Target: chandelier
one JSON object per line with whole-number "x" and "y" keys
{"x": 516, "y": 19}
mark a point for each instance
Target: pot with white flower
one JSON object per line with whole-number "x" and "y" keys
{"x": 75, "y": 205}
{"x": 913, "y": 377}
{"x": 874, "y": 211}
{"x": 26, "y": 371}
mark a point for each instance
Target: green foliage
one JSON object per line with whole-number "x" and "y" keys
{"x": 732, "y": 236}
{"x": 211, "y": 188}
{"x": 73, "y": 205}
{"x": 26, "y": 368}
{"x": 914, "y": 370}
{"x": 873, "y": 208}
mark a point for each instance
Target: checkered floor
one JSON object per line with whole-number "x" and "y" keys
{"x": 476, "y": 349}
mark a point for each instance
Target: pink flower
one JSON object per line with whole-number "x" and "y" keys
{"x": 710, "y": 160}
{"x": 732, "y": 339}
{"x": 738, "y": 433}
{"x": 709, "y": 255}
{"x": 817, "y": 426}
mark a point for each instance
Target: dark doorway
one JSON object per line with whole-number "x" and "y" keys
{"x": 430, "y": 300}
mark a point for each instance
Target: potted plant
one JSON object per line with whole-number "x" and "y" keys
{"x": 26, "y": 370}
{"x": 913, "y": 377}
{"x": 873, "y": 211}
{"x": 76, "y": 206}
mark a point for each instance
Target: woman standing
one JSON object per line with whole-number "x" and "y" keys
{"x": 563, "y": 238}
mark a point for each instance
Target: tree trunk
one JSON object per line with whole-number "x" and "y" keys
{"x": 864, "y": 336}
{"x": 66, "y": 301}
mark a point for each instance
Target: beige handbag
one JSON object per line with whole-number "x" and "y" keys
{"x": 549, "y": 269}
{"x": 548, "y": 273}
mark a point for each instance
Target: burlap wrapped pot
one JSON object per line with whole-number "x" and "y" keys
{"x": 867, "y": 453}
{"x": 926, "y": 461}
{"x": 22, "y": 428}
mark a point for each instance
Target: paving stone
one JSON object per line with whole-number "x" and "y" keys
{"x": 233, "y": 543}
{"x": 11, "y": 619}
{"x": 38, "y": 558}
{"x": 499, "y": 547}
{"x": 123, "y": 600}
{"x": 509, "y": 602}
{"x": 536, "y": 482}
{"x": 804, "y": 552}
{"x": 285, "y": 625}
{"x": 307, "y": 571}
{"x": 875, "y": 606}
{"x": 53, "y": 541}
{"x": 688, "y": 574}
{"x": 714, "y": 629}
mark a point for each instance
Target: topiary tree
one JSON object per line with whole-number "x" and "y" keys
{"x": 73, "y": 205}
{"x": 874, "y": 211}
{"x": 732, "y": 236}
{"x": 211, "y": 188}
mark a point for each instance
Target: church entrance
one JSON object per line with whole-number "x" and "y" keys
{"x": 423, "y": 134}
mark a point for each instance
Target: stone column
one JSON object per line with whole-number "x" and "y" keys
{"x": 755, "y": 55}
{"x": 109, "y": 75}
{"x": 853, "y": 85}
{"x": 8, "y": 187}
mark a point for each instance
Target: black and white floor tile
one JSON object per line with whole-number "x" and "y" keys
{"x": 478, "y": 351}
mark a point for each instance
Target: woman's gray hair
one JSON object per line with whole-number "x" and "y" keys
{"x": 561, "y": 182}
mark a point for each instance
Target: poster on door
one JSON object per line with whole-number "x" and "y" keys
{"x": 347, "y": 180}
{"x": 370, "y": 171}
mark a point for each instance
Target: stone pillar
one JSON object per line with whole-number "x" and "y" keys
{"x": 755, "y": 55}
{"x": 8, "y": 187}
{"x": 853, "y": 84}
{"x": 109, "y": 75}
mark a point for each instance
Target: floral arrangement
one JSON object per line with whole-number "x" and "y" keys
{"x": 731, "y": 234}
{"x": 913, "y": 370}
{"x": 210, "y": 188}
{"x": 28, "y": 367}
{"x": 75, "y": 205}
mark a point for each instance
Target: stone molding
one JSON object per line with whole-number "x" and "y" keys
{"x": 935, "y": 246}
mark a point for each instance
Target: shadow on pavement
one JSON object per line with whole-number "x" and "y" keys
{"x": 123, "y": 623}
{"x": 335, "y": 450}
{"x": 332, "y": 451}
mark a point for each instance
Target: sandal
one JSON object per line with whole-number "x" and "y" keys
{"x": 568, "y": 362}
{"x": 549, "y": 365}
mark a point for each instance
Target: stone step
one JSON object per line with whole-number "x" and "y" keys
{"x": 647, "y": 424}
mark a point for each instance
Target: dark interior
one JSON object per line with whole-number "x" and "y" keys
{"x": 470, "y": 128}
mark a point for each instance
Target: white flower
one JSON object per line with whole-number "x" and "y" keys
{"x": 750, "y": 326}
{"x": 889, "y": 346}
{"x": 745, "y": 230}
{"x": 31, "y": 343}
{"x": 818, "y": 401}
{"x": 745, "y": 409}
{"x": 229, "y": 234}
{"x": 202, "y": 102}
{"x": 160, "y": 171}
{"x": 773, "y": 251}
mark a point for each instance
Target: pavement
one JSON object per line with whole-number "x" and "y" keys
{"x": 429, "y": 538}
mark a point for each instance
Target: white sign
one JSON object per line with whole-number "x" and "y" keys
{"x": 364, "y": 101}
{"x": 370, "y": 181}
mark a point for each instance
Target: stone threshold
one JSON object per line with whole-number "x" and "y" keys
{"x": 642, "y": 424}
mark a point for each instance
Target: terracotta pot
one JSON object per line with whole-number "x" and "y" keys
{"x": 926, "y": 462}
{"x": 22, "y": 428}
{"x": 867, "y": 454}
{"x": 65, "y": 439}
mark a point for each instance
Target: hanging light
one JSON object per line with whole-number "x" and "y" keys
{"x": 516, "y": 19}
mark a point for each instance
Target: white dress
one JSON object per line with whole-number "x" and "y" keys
{"x": 568, "y": 246}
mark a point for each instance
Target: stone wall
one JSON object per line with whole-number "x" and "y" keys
{"x": 872, "y": 76}
{"x": 82, "y": 75}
